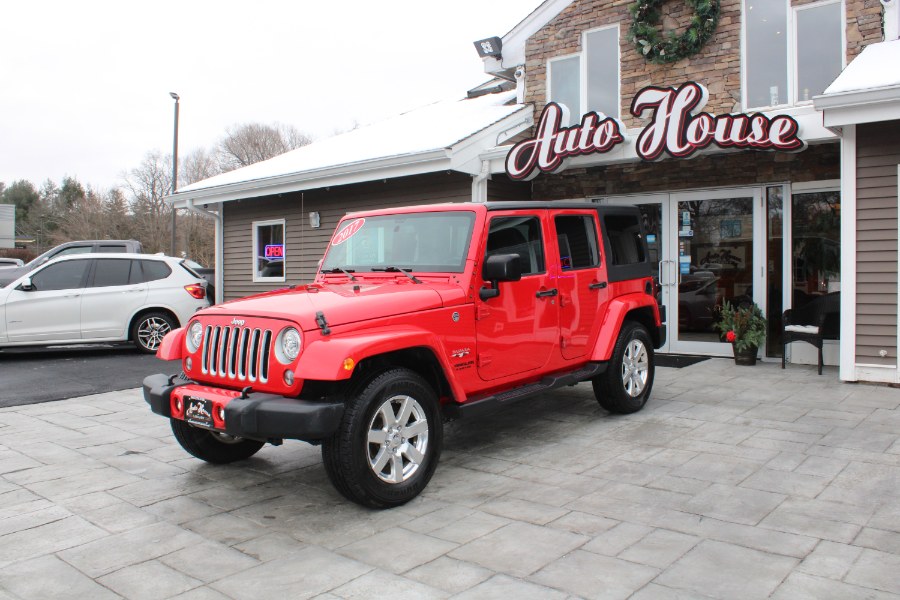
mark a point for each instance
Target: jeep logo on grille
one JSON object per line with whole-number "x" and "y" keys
{"x": 238, "y": 322}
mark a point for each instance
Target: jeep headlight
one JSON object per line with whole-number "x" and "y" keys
{"x": 290, "y": 343}
{"x": 194, "y": 336}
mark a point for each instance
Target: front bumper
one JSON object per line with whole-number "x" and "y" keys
{"x": 257, "y": 416}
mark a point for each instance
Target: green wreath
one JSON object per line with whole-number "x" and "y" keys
{"x": 671, "y": 48}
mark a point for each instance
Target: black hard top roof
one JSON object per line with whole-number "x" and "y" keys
{"x": 555, "y": 205}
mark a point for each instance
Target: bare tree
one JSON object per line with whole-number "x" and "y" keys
{"x": 84, "y": 220}
{"x": 148, "y": 185}
{"x": 196, "y": 166}
{"x": 254, "y": 142}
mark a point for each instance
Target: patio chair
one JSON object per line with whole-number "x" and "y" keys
{"x": 814, "y": 322}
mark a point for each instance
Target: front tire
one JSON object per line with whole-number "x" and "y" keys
{"x": 388, "y": 443}
{"x": 626, "y": 384}
{"x": 216, "y": 448}
{"x": 148, "y": 331}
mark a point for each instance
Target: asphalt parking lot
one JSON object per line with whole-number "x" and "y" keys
{"x": 734, "y": 482}
{"x": 32, "y": 375}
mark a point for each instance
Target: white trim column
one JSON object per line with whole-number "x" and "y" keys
{"x": 479, "y": 183}
{"x": 848, "y": 254}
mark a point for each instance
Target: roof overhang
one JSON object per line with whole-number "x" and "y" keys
{"x": 861, "y": 106}
{"x": 867, "y": 91}
{"x": 513, "y": 53}
{"x": 463, "y": 156}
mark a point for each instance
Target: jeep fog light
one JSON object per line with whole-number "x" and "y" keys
{"x": 289, "y": 345}
{"x": 289, "y": 378}
{"x": 188, "y": 363}
{"x": 194, "y": 336}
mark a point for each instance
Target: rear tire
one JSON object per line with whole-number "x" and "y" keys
{"x": 216, "y": 448}
{"x": 389, "y": 441}
{"x": 148, "y": 331}
{"x": 626, "y": 384}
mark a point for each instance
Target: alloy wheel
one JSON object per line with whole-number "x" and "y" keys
{"x": 635, "y": 368}
{"x": 397, "y": 439}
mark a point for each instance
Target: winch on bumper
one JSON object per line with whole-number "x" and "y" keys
{"x": 254, "y": 416}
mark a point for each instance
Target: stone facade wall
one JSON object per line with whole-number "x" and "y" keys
{"x": 817, "y": 163}
{"x": 717, "y": 65}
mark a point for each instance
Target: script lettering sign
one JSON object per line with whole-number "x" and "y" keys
{"x": 677, "y": 128}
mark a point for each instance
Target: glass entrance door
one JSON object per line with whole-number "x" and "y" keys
{"x": 716, "y": 262}
{"x": 707, "y": 254}
{"x": 655, "y": 219}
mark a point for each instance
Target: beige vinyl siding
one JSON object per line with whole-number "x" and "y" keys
{"x": 304, "y": 246}
{"x": 878, "y": 154}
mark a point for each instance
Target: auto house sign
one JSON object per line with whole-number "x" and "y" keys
{"x": 678, "y": 127}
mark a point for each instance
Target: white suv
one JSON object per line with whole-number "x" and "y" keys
{"x": 100, "y": 298}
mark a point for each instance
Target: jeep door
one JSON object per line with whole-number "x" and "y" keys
{"x": 51, "y": 309}
{"x": 517, "y": 331}
{"x": 582, "y": 280}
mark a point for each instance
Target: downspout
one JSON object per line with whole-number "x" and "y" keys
{"x": 219, "y": 244}
{"x": 891, "y": 19}
{"x": 479, "y": 182}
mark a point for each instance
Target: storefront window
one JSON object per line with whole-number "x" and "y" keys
{"x": 565, "y": 85}
{"x": 819, "y": 51}
{"x": 816, "y": 245}
{"x": 766, "y": 47}
{"x": 600, "y": 90}
{"x": 602, "y": 56}
{"x": 715, "y": 259}
{"x": 268, "y": 250}
{"x": 809, "y": 55}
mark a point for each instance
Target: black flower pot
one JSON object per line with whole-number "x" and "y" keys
{"x": 746, "y": 356}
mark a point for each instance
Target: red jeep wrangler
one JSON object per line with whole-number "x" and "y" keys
{"x": 418, "y": 314}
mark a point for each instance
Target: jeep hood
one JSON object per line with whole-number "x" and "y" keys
{"x": 340, "y": 303}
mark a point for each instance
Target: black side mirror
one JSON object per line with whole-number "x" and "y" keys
{"x": 26, "y": 285}
{"x": 497, "y": 268}
{"x": 502, "y": 267}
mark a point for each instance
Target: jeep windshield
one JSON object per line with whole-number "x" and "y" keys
{"x": 435, "y": 242}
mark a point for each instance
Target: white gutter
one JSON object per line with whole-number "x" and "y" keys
{"x": 891, "y": 19}
{"x": 219, "y": 276}
{"x": 432, "y": 160}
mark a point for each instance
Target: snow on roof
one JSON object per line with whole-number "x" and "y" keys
{"x": 433, "y": 127}
{"x": 874, "y": 68}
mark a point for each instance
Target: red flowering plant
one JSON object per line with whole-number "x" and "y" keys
{"x": 743, "y": 325}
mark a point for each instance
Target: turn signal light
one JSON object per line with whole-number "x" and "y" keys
{"x": 196, "y": 290}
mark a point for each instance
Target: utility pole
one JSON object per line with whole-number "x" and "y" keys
{"x": 174, "y": 168}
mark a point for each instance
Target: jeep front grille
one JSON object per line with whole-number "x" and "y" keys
{"x": 239, "y": 353}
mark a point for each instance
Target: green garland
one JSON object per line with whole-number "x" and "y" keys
{"x": 657, "y": 49}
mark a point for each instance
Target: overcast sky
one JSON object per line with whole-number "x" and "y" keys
{"x": 85, "y": 84}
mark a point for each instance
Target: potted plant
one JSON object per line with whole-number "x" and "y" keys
{"x": 744, "y": 326}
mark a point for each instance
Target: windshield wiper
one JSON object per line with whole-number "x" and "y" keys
{"x": 347, "y": 272}
{"x": 397, "y": 270}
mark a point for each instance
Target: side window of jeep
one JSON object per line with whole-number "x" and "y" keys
{"x": 625, "y": 242}
{"x": 520, "y": 236}
{"x": 577, "y": 239}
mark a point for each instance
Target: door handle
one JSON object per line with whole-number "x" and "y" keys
{"x": 597, "y": 286}
{"x": 545, "y": 293}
